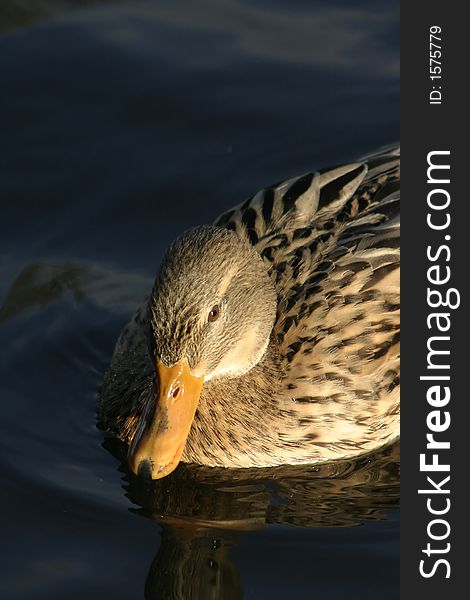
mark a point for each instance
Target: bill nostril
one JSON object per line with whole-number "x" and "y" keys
{"x": 175, "y": 392}
{"x": 145, "y": 468}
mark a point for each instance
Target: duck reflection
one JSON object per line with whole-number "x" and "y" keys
{"x": 203, "y": 512}
{"x": 194, "y": 562}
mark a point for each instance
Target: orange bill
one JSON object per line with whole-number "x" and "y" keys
{"x": 161, "y": 445}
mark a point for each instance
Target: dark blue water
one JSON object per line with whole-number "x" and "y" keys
{"x": 122, "y": 124}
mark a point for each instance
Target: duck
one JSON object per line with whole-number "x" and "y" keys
{"x": 270, "y": 336}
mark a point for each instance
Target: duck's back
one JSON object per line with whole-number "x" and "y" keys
{"x": 331, "y": 241}
{"x": 302, "y": 214}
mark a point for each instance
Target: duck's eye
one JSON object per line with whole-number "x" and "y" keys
{"x": 214, "y": 313}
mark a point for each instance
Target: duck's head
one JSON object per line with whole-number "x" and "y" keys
{"x": 212, "y": 311}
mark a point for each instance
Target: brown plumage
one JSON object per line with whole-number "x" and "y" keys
{"x": 301, "y": 362}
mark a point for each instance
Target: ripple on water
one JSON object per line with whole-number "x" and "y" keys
{"x": 59, "y": 323}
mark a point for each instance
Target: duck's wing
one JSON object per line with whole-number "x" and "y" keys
{"x": 339, "y": 320}
{"x": 331, "y": 241}
{"x": 355, "y": 237}
{"x": 283, "y": 213}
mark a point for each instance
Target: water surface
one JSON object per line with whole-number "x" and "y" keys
{"x": 121, "y": 125}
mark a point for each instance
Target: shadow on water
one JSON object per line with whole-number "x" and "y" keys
{"x": 15, "y": 13}
{"x": 38, "y": 284}
{"x": 203, "y": 513}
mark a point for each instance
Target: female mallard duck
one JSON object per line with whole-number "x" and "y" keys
{"x": 272, "y": 336}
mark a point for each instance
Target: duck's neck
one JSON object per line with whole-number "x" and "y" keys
{"x": 236, "y": 416}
